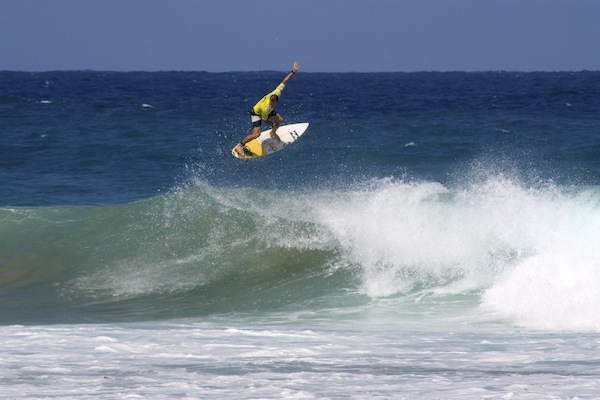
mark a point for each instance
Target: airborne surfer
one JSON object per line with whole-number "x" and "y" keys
{"x": 264, "y": 110}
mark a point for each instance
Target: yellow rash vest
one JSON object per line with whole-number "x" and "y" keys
{"x": 263, "y": 107}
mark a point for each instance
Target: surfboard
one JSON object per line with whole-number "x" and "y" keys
{"x": 265, "y": 144}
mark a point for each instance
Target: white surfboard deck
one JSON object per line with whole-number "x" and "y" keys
{"x": 265, "y": 144}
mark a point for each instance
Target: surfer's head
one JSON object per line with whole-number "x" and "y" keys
{"x": 274, "y": 99}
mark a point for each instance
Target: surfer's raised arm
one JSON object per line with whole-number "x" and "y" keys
{"x": 295, "y": 69}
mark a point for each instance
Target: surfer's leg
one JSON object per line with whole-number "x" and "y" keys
{"x": 255, "y": 133}
{"x": 278, "y": 120}
{"x": 256, "y": 124}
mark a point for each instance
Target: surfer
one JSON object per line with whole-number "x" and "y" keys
{"x": 264, "y": 110}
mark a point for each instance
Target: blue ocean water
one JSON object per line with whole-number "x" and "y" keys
{"x": 432, "y": 235}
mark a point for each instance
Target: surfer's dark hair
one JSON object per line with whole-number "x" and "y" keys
{"x": 274, "y": 95}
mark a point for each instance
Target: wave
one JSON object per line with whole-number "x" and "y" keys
{"x": 529, "y": 255}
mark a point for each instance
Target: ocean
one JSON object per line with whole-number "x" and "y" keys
{"x": 431, "y": 236}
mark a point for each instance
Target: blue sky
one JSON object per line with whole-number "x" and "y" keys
{"x": 324, "y": 35}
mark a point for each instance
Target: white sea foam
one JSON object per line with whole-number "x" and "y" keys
{"x": 557, "y": 287}
{"x": 209, "y": 359}
{"x": 534, "y": 253}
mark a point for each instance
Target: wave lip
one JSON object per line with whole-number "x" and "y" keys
{"x": 196, "y": 251}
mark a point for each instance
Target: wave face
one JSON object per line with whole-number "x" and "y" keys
{"x": 492, "y": 248}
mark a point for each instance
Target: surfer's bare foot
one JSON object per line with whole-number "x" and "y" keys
{"x": 243, "y": 151}
{"x": 240, "y": 149}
